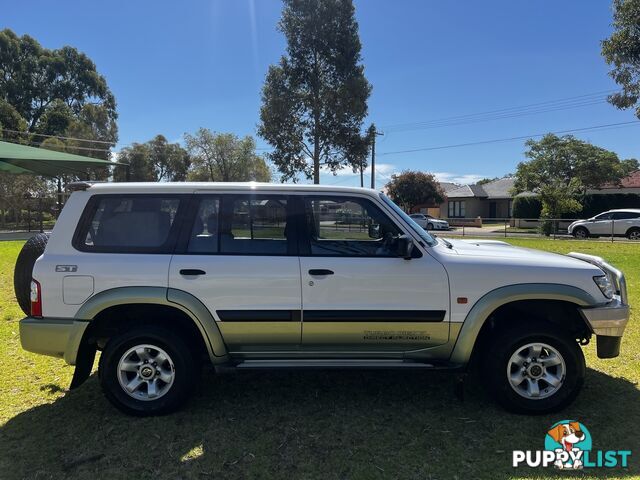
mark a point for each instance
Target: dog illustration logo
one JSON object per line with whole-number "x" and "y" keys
{"x": 569, "y": 440}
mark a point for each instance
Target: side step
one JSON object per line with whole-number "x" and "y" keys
{"x": 330, "y": 363}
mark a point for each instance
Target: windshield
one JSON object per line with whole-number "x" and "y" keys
{"x": 428, "y": 239}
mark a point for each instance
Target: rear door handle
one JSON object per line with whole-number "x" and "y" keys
{"x": 320, "y": 271}
{"x": 192, "y": 271}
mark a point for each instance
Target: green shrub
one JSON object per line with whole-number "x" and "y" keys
{"x": 526, "y": 207}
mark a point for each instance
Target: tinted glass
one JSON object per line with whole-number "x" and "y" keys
{"x": 416, "y": 228}
{"x": 253, "y": 224}
{"x": 346, "y": 226}
{"x": 625, "y": 215}
{"x": 604, "y": 216}
{"x": 129, "y": 223}
{"x": 204, "y": 233}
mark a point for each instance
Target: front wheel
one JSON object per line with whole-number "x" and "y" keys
{"x": 429, "y": 226}
{"x": 148, "y": 371}
{"x": 534, "y": 369}
{"x": 581, "y": 232}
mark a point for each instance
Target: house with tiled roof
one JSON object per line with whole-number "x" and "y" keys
{"x": 434, "y": 209}
{"x": 629, "y": 184}
{"x": 490, "y": 200}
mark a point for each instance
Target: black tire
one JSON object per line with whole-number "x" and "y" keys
{"x": 507, "y": 342}
{"x": 580, "y": 232}
{"x": 31, "y": 250}
{"x": 186, "y": 371}
{"x": 633, "y": 233}
{"x": 429, "y": 226}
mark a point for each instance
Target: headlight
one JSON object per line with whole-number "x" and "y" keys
{"x": 604, "y": 284}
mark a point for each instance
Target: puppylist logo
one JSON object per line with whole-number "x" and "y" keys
{"x": 567, "y": 445}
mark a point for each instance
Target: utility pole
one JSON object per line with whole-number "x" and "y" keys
{"x": 372, "y": 135}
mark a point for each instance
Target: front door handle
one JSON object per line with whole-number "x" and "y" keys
{"x": 192, "y": 271}
{"x": 320, "y": 271}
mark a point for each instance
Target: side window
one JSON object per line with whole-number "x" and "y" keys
{"x": 625, "y": 215}
{"x": 349, "y": 226}
{"x": 604, "y": 216}
{"x": 122, "y": 224}
{"x": 204, "y": 233}
{"x": 253, "y": 224}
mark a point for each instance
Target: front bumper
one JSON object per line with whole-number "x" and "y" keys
{"x": 607, "y": 321}
{"x": 56, "y": 337}
{"x": 440, "y": 226}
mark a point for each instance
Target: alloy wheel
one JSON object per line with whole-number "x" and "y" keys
{"x": 536, "y": 371}
{"x": 146, "y": 372}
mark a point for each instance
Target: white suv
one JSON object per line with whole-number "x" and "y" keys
{"x": 620, "y": 223}
{"x": 162, "y": 278}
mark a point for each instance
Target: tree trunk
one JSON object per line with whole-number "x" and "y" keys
{"x": 316, "y": 158}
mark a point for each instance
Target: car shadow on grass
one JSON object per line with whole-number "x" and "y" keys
{"x": 318, "y": 424}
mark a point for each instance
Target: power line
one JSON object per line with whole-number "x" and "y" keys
{"x": 58, "y": 136}
{"x": 488, "y": 118}
{"x": 529, "y": 109}
{"x": 509, "y": 139}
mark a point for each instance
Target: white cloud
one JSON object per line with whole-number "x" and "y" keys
{"x": 382, "y": 169}
{"x": 462, "y": 179}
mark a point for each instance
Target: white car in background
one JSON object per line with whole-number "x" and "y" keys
{"x": 622, "y": 223}
{"x": 428, "y": 222}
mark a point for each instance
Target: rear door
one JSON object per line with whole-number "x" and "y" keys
{"x": 624, "y": 221}
{"x": 238, "y": 257}
{"x": 357, "y": 294}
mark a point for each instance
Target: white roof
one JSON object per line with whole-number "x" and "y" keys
{"x": 188, "y": 187}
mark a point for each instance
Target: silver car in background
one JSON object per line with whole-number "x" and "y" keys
{"x": 428, "y": 222}
{"x": 621, "y": 223}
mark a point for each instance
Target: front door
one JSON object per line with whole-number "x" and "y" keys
{"x": 238, "y": 258}
{"x": 492, "y": 209}
{"x": 601, "y": 225}
{"x": 357, "y": 294}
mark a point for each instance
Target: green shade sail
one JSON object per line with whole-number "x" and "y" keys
{"x": 15, "y": 158}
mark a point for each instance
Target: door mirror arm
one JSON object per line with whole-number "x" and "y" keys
{"x": 404, "y": 247}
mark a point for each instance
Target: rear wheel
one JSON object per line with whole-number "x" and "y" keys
{"x": 534, "y": 368}
{"x": 580, "y": 232}
{"x": 633, "y": 234}
{"x": 148, "y": 371}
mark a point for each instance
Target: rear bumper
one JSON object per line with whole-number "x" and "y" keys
{"x": 56, "y": 337}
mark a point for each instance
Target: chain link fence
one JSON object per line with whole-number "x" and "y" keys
{"x": 554, "y": 228}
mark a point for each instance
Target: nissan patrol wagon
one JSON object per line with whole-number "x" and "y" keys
{"x": 163, "y": 278}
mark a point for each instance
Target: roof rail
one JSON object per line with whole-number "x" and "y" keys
{"x": 82, "y": 185}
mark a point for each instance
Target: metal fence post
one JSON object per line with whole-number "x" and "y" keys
{"x": 463, "y": 229}
{"x": 505, "y": 228}
{"x": 612, "y": 222}
{"x": 40, "y": 209}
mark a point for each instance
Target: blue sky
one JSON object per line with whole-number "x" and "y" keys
{"x": 177, "y": 66}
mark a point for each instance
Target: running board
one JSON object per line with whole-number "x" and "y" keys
{"x": 330, "y": 363}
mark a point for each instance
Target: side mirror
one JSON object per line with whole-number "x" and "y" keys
{"x": 374, "y": 231}
{"x": 404, "y": 247}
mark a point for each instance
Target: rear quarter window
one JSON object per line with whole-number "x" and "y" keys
{"x": 129, "y": 224}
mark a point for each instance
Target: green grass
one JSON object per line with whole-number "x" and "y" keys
{"x": 325, "y": 425}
